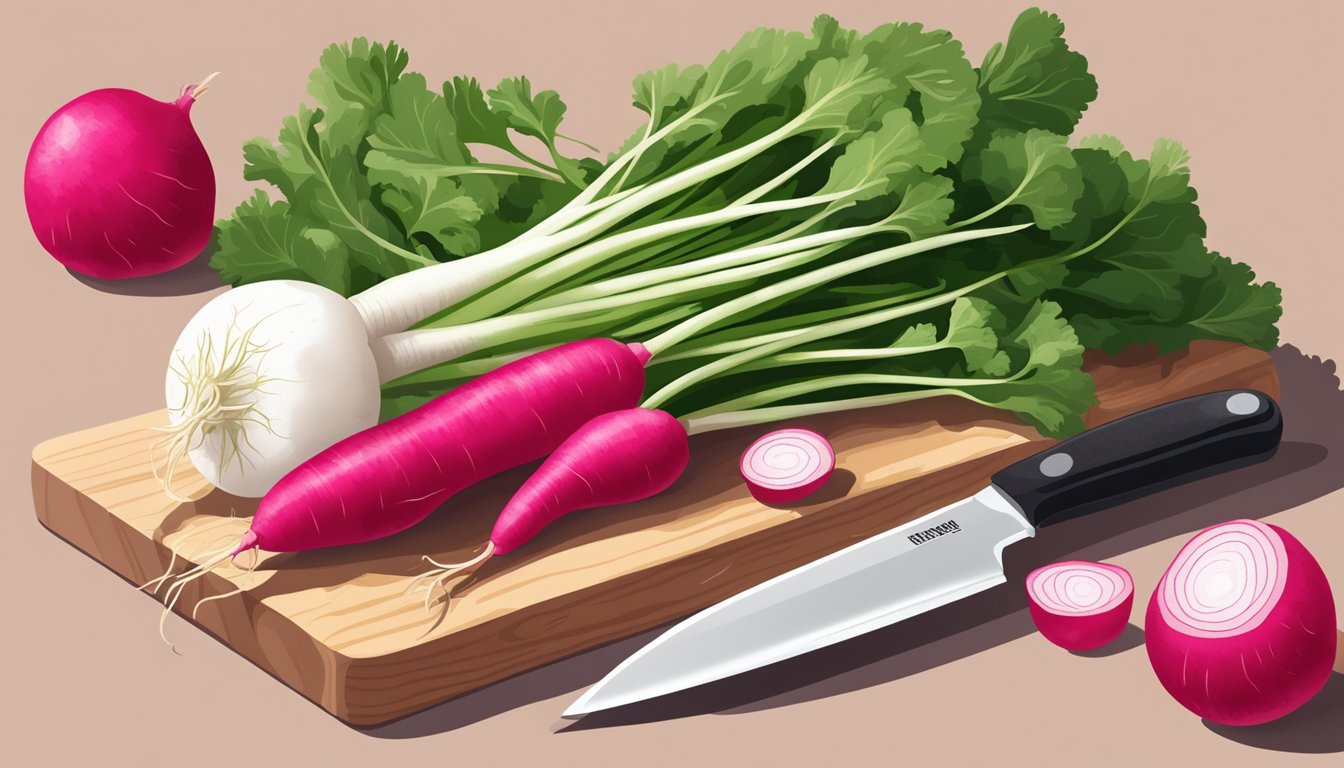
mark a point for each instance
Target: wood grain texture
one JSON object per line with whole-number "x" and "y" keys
{"x": 335, "y": 626}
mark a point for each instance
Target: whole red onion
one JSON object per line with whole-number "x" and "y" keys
{"x": 118, "y": 185}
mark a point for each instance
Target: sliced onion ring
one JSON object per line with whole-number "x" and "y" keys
{"x": 1079, "y": 605}
{"x": 787, "y": 465}
{"x": 1241, "y": 628}
{"x": 1225, "y": 580}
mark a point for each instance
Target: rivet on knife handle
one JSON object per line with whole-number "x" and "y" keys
{"x": 1143, "y": 453}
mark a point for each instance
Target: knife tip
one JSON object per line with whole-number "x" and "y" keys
{"x": 579, "y": 708}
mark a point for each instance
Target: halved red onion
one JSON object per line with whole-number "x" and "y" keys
{"x": 787, "y": 465}
{"x": 1079, "y": 605}
{"x": 1241, "y": 628}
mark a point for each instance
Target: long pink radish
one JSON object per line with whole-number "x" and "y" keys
{"x": 387, "y": 478}
{"x": 615, "y": 458}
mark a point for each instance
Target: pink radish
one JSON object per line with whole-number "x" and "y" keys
{"x": 1241, "y": 628}
{"x": 1079, "y": 605}
{"x": 615, "y": 458}
{"x": 391, "y": 476}
{"x": 787, "y": 465}
{"x": 118, "y": 184}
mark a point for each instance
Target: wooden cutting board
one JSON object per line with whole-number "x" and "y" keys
{"x": 336, "y": 627}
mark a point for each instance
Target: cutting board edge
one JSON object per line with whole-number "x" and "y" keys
{"x": 319, "y": 661}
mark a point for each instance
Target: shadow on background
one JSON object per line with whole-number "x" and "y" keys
{"x": 195, "y": 276}
{"x": 1316, "y": 728}
{"x": 1131, "y": 637}
{"x": 1309, "y": 464}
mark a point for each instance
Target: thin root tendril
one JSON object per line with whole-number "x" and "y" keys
{"x": 174, "y": 591}
{"x": 443, "y": 572}
{"x": 242, "y": 586}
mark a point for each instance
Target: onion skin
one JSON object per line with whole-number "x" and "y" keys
{"x": 1263, "y": 673}
{"x": 118, "y": 185}
{"x": 782, "y": 496}
{"x": 1087, "y": 631}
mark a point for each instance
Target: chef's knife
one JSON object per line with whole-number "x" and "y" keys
{"x": 948, "y": 554}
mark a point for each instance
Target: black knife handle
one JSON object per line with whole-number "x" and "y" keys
{"x": 1144, "y": 453}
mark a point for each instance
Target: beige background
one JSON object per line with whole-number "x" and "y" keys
{"x": 1252, "y": 89}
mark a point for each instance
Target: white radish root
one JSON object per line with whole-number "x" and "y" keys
{"x": 261, "y": 379}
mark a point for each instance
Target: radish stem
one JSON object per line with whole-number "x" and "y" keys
{"x": 698, "y": 423}
{"x": 402, "y": 301}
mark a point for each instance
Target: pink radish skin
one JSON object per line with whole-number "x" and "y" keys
{"x": 1078, "y": 605}
{"x": 787, "y": 466}
{"x": 616, "y": 458}
{"x": 389, "y": 477}
{"x": 1249, "y": 655}
{"x": 118, "y": 185}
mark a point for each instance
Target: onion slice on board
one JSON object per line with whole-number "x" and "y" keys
{"x": 1079, "y": 605}
{"x": 1241, "y": 627}
{"x": 787, "y": 465}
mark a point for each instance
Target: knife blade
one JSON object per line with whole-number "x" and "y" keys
{"x": 950, "y": 553}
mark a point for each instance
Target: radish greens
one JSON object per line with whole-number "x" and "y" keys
{"x": 809, "y": 222}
